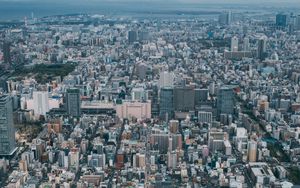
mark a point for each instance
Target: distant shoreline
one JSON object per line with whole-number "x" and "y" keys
{"x": 10, "y": 11}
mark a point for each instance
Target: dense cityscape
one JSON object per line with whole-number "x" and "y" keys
{"x": 197, "y": 100}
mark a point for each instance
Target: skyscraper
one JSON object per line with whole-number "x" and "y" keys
{"x": 252, "y": 150}
{"x": 225, "y": 101}
{"x": 73, "y": 102}
{"x": 204, "y": 117}
{"x": 41, "y": 103}
{"x": 132, "y": 36}
{"x": 7, "y": 131}
{"x": 166, "y": 79}
{"x": 166, "y": 102}
{"x": 225, "y": 18}
{"x": 201, "y": 96}
{"x": 281, "y": 20}
{"x": 246, "y": 44}
{"x": 74, "y": 159}
{"x": 6, "y": 53}
{"x": 184, "y": 99}
{"x": 297, "y": 24}
{"x": 234, "y": 44}
{"x": 261, "y": 49}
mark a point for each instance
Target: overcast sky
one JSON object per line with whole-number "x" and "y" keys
{"x": 171, "y": 1}
{"x": 17, "y": 9}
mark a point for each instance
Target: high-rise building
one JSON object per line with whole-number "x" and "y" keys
{"x": 132, "y": 36}
{"x": 225, "y": 101}
{"x": 38, "y": 148}
{"x": 297, "y": 22}
{"x": 74, "y": 159}
{"x": 281, "y": 20}
{"x": 252, "y": 150}
{"x": 140, "y": 160}
{"x": 40, "y": 103}
{"x": 225, "y": 18}
{"x": 172, "y": 159}
{"x": 143, "y": 35}
{"x": 184, "y": 99}
{"x": 7, "y": 131}
{"x": 73, "y": 102}
{"x": 204, "y": 117}
{"x": 201, "y": 96}
{"x": 96, "y": 160}
{"x": 6, "y": 53}
{"x": 261, "y": 49}
{"x": 166, "y": 79}
{"x": 234, "y": 44}
{"x": 166, "y": 103}
{"x": 161, "y": 142}
{"x": 246, "y": 44}
{"x": 216, "y": 140}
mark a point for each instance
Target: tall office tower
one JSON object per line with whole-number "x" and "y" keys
{"x": 184, "y": 99}
{"x": 246, "y": 44}
{"x": 140, "y": 160}
{"x": 40, "y": 102}
{"x": 166, "y": 103}
{"x": 74, "y": 159}
{"x": 73, "y": 102}
{"x": 153, "y": 96}
{"x": 281, "y": 20}
{"x": 132, "y": 36}
{"x": 170, "y": 144}
{"x": 297, "y": 24}
{"x": 166, "y": 79}
{"x": 252, "y": 150}
{"x": 6, "y": 53}
{"x": 204, "y": 117}
{"x": 201, "y": 96}
{"x": 225, "y": 18}
{"x": 143, "y": 35}
{"x": 7, "y": 131}
{"x": 225, "y": 101}
{"x": 261, "y": 48}
{"x": 234, "y": 44}
{"x": 161, "y": 141}
{"x": 172, "y": 159}
{"x": 96, "y": 160}
{"x": 38, "y": 148}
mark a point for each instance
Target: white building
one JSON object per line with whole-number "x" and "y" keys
{"x": 166, "y": 79}
{"x": 234, "y": 44}
{"x": 40, "y": 102}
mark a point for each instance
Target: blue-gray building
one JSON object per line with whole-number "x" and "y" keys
{"x": 225, "y": 101}
{"x": 7, "y": 131}
{"x": 73, "y": 102}
{"x": 166, "y": 103}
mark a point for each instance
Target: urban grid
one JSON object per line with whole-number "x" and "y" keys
{"x": 151, "y": 100}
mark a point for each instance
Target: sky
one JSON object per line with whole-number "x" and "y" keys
{"x": 18, "y": 9}
{"x": 170, "y": 1}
